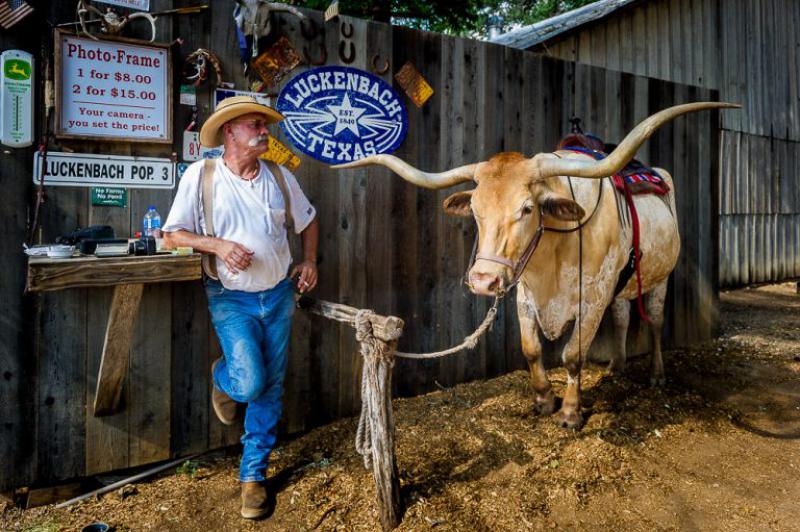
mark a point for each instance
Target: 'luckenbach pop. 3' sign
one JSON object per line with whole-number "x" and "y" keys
{"x": 89, "y": 170}
{"x": 339, "y": 114}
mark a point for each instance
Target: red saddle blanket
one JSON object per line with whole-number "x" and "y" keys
{"x": 639, "y": 178}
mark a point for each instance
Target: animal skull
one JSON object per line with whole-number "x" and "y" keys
{"x": 112, "y": 23}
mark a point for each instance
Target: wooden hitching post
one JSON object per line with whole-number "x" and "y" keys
{"x": 377, "y": 337}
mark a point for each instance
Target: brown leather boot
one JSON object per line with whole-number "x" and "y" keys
{"x": 224, "y": 406}
{"x": 254, "y": 500}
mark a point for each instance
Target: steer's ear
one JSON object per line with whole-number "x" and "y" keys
{"x": 560, "y": 207}
{"x": 458, "y": 204}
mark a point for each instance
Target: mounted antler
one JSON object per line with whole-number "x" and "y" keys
{"x": 415, "y": 176}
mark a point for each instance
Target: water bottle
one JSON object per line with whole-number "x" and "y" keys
{"x": 152, "y": 223}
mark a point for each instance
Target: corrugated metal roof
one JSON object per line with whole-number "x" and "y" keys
{"x": 527, "y": 36}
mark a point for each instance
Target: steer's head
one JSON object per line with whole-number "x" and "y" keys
{"x": 507, "y": 205}
{"x": 513, "y": 192}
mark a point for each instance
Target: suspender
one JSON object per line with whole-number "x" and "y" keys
{"x": 281, "y": 180}
{"x": 209, "y": 261}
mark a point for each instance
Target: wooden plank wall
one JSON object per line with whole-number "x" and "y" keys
{"x": 748, "y": 51}
{"x": 384, "y": 244}
{"x": 18, "y": 398}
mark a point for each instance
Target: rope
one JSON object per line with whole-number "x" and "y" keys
{"x": 469, "y": 342}
{"x": 379, "y": 359}
{"x": 377, "y": 356}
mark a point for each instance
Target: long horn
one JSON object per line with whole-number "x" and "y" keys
{"x": 617, "y": 159}
{"x": 413, "y": 175}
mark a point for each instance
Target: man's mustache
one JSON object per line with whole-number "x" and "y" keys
{"x": 255, "y": 141}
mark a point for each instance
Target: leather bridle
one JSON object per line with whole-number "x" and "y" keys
{"x": 522, "y": 263}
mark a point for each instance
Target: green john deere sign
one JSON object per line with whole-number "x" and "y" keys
{"x": 17, "y": 69}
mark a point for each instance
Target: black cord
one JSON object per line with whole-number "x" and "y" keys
{"x": 580, "y": 262}
{"x": 580, "y": 291}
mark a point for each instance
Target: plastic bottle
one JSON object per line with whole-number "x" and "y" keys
{"x": 152, "y": 223}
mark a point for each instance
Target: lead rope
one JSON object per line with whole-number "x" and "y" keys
{"x": 580, "y": 266}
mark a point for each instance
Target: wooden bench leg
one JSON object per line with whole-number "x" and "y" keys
{"x": 117, "y": 348}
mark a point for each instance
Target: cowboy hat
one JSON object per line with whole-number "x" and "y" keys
{"x": 228, "y": 109}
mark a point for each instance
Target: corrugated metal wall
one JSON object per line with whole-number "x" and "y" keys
{"x": 748, "y": 50}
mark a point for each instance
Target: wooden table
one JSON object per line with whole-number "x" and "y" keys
{"x": 128, "y": 275}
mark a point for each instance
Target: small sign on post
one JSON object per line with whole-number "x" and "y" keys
{"x": 221, "y": 94}
{"x": 109, "y": 197}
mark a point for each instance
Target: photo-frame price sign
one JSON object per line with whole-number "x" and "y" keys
{"x": 112, "y": 90}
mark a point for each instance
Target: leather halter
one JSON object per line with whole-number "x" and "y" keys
{"x": 522, "y": 263}
{"x": 517, "y": 268}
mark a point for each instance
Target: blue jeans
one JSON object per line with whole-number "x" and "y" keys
{"x": 253, "y": 329}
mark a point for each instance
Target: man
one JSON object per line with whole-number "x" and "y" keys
{"x": 252, "y": 302}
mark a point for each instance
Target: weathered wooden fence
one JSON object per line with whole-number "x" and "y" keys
{"x": 385, "y": 245}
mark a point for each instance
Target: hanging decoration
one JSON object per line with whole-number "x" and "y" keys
{"x": 273, "y": 65}
{"x": 195, "y": 70}
{"x": 253, "y": 22}
{"x": 414, "y": 84}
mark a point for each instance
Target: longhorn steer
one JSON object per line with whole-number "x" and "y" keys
{"x": 512, "y": 194}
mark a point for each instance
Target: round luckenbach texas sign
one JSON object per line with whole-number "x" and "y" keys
{"x": 340, "y": 114}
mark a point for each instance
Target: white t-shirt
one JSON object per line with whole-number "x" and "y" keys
{"x": 250, "y": 213}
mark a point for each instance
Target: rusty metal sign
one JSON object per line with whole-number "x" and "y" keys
{"x": 414, "y": 84}
{"x": 276, "y": 62}
{"x": 280, "y": 154}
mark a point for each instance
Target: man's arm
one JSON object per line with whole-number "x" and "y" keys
{"x": 235, "y": 256}
{"x": 307, "y": 270}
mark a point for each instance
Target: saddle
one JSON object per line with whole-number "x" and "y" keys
{"x": 636, "y": 176}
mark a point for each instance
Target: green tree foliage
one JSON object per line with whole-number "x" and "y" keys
{"x": 463, "y": 17}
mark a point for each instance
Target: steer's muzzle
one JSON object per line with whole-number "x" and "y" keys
{"x": 486, "y": 284}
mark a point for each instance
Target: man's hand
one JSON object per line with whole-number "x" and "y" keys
{"x": 307, "y": 276}
{"x": 235, "y": 256}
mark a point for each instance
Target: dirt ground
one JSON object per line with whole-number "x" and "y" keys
{"x": 716, "y": 449}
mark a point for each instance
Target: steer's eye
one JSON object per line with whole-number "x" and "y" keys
{"x": 527, "y": 210}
